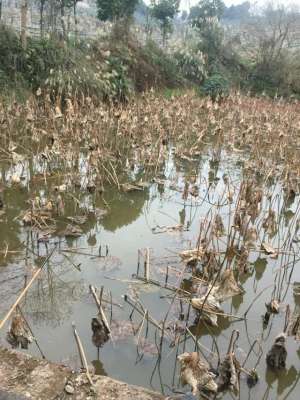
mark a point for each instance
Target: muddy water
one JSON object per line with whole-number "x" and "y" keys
{"x": 138, "y": 220}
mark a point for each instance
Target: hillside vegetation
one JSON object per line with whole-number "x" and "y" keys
{"x": 199, "y": 49}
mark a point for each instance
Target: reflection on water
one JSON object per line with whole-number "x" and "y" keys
{"x": 123, "y": 209}
{"x": 50, "y": 301}
{"x": 283, "y": 379}
{"x": 98, "y": 367}
{"x": 105, "y": 254}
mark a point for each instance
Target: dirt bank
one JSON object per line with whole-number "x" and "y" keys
{"x": 23, "y": 377}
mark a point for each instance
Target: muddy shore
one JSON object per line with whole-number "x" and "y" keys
{"x": 24, "y": 377}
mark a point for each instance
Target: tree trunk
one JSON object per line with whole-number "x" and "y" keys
{"x": 42, "y": 3}
{"x": 24, "y": 10}
{"x": 52, "y": 17}
{"x": 75, "y": 17}
{"x": 0, "y": 10}
{"x": 164, "y": 35}
{"x": 62, "y": 15}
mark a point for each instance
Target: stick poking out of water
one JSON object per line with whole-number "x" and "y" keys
{"x": 82, "y": 354}
{"x": 103, "y": 317}
{"x": 147, "y": 265}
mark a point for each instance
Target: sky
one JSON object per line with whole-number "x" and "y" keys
{"x": 185, "y": 4}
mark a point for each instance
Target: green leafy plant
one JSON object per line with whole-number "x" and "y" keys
{"x": 121, "y": 87}
{"x": 113, "y": 10}
{"x": 12, "y": 56}
{"x": 216, "y": 86}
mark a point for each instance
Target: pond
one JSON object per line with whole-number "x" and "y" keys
{"x": 125, "y": 233}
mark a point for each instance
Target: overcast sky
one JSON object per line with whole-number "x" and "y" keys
{"x": 185, "y": 4}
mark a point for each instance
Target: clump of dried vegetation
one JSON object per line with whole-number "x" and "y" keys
{"x": 81, "y": 138}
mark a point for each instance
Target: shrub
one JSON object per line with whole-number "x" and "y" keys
{"x": 12, "y": 56}
{"x": 164, "y": 64}
{"x": 191, "y": 63}
{"x": 120, "y": 86}
{"x": 216, "y": 86}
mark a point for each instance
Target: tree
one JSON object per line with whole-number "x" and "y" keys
{"x": 238, "y": 12}
{"x": 207, "y": 10}
{"x": 205, "y": 17}
{"x": 184, "y": 15}
{"x": 142, "y": 8}
{"x": 41, "y": 4}
{"x": 74, "y": 4}
{"x": 120, "y": 12}
{"x": 164, "y": 11}
{"x": 271, "y": 34}
{"x": 63, "y": 5}
{"x": 24, "y": 10}
{"x": 115, "y": 10}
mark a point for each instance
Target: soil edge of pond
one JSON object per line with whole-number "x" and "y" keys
{"x": 24, "y": 377}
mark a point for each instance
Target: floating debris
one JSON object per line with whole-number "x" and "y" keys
{"x": 195, "y": 372}
{"x": 209, "y": 307}
{"x": 122, "y": 330}
{"x": 146, "y": 347}
{"x": 273, "y": 306}
{"x": 276, "y": 357}
{"x": 168, "y": 229}
{"x": 228, "y": 286}
{"x": 296, "y": 289}
{"x": 228, "y": 374}
{"x": 128, "y": 187}
{"x": 72, "y": 231}
{"x": 18, "y": 334}
{"x": 252, "y": 379}
{"x": 98, "y": 213}
{"x": 218, "y": 226}
{"x": 269, "y": 224}
{"x": 191, "y": 256}
{"x": 294, "y": 323}
{"x": 79, "y": 219}
{"x": 100, "y": 332}
{"x": 269, "y": 250}
{"x": 61, "y": 188}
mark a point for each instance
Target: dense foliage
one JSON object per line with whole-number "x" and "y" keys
{"x": 202, "y": 51}
{"x": 216, "y": 87}
{"x": 112, "y": 10}
{"x": 108, "y": 70}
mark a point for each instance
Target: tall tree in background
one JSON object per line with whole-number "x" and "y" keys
{"x": 0, "y": 10}
{"x": 271, "y": 34}
{"x": 119, "y": 12}
{"x": 164, "y": 11}
{"x": 63, "y": 5}
{"x": 239, "y": 12}
{"x": 207, "y": 9}
{"x": 205, "y": 17}
{"x": 74, "y": 3}
{"x": 24, "y": 11}
{"x": 41, "y": 5}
